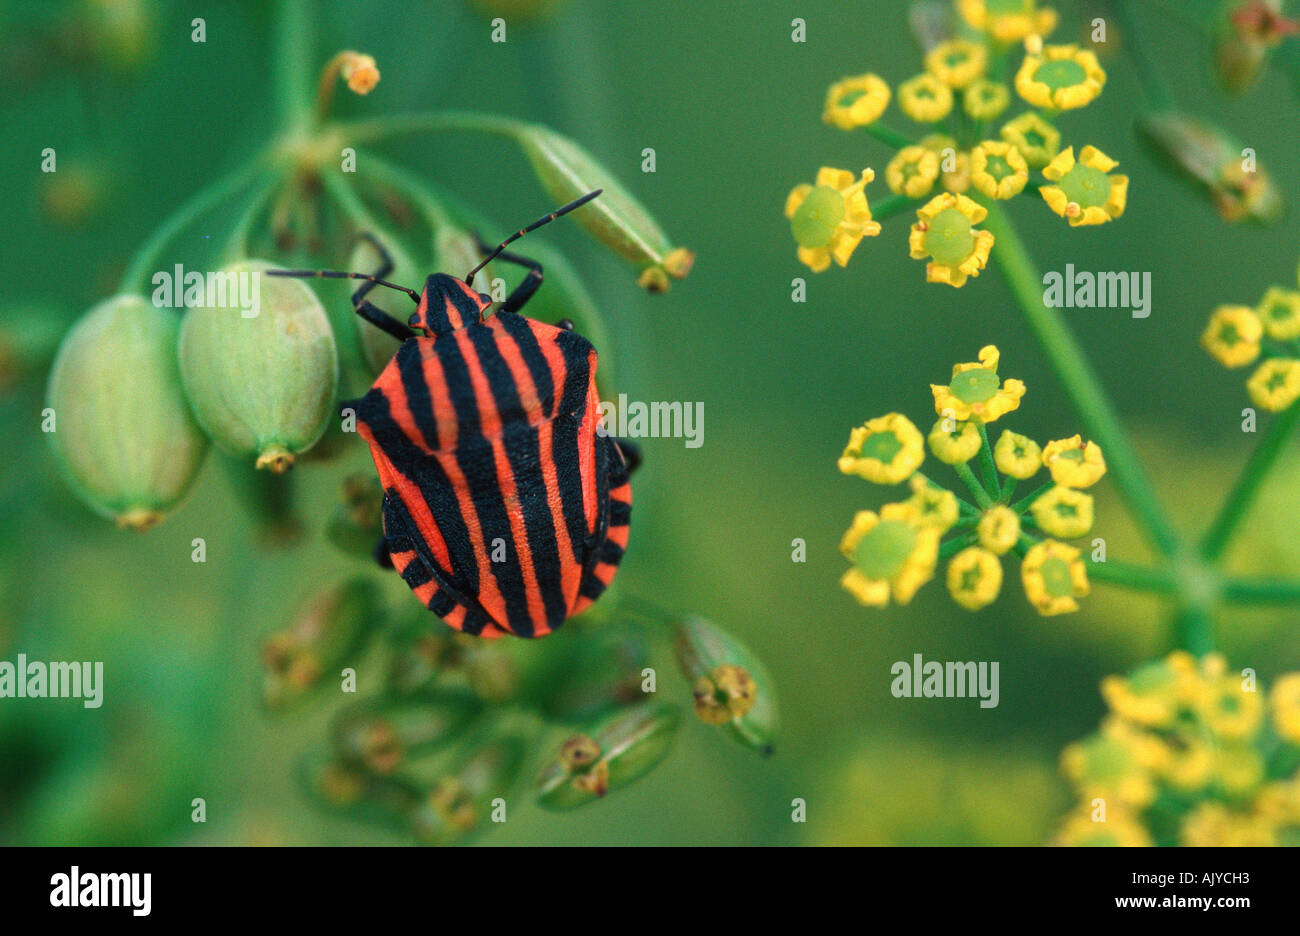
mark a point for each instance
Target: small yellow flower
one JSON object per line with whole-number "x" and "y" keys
{"x": 932, "y": 506}
{"x": 1238, "y": 770}
{"x": 954, "y": 166}
{"x": 1061, "y": 78}
{"x": 1275, "y": 385}
{"x": 1037, "y": 140}
{"x": 1279, "y": 311}
{"x": 956, "y": 444}
{"x": 1017, "y": 456}
{"x": 1120, "y": 829}
{"x": 1008, "y": 20}
{"x": 998, "y": 529}
{"x": 1228, "y": 710}
{"x": 957, "y": 62}
{"x": 998, "y": 170}
{"x": 912, "y": 172}
{"x": 925, "y": 98}
{"x": 946, "y": 233}
{"x": 1284, "y": 701}
{"x": 1233, "y": 335}
{"x": 1063, "y": 512}
{"x": 1054, "y": 577}
{"x": 1155, "y": 694}
{"x": 829, "y": 219}
{"x": 976, "y": 391}
{"x": 1190, "y": 764}
{"x": 1085, "y": 192}
{"x": 885, "y": 450}
{"x": 985, "y": 100}
{"x": 856, "y": 102}
{"x": 974, "y": 578}
{"x": 1213, "y": 824}
{"x": 1074, "y": 463}
{"x": 1106, "y": 766}
{"x": 892, "y": 556}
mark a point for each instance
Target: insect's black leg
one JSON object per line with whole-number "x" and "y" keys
{"x": 382, "y": 555}
{"x": 524, "y": 291}
{"x": 631, "y": 454}
{"x": 368, "y": 310}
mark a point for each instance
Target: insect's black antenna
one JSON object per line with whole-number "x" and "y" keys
{"x": 337, "y": 274}
{"x": 546, "y": 219}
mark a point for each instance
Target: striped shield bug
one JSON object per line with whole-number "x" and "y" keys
{"x": 505, "y": 509}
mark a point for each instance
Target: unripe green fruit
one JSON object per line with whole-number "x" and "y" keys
{"x": 123, "y": 434}
{"x": 262, "y": 386}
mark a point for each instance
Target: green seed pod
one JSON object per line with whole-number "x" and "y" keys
{"x": 1245, "y": 32}
{"x": 1214, "y": 163}
{"x": 616, "y": 218}
{"x": 356, "y": 524}
{"x": 261, "y": 380}
{"x": 342, "y": 789}
{"x": 731, "y": 685}
{"x": 326, "y": 634}
{"x": 382, "y": 734}
{"x": 456, "y": 803}
{"x": 624, "y": 747}
{"x": 378, "y": 347}
{"x": 123, "y": 434}
{"x": 425, "y": 654}
{"x": 599, "y": 670}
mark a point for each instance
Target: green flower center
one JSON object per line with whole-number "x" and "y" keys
{"x": 923, "y": 91}
{"x": 1086, "y": 186}
{"x": 881, "y": 445}
{"x": 1071, "y": 455}
{"x": 976, "y": 385}
{"x": 882, "y": 553}
{"x": 949, "y": 239}
{"x": 1279, "y": 312}
{"x": 1228, "y": 334}
{"x": 1034, "y": 140}
{"x": 1276, "y": 380}
{"x": 1056, "y": 577}
{"x": 849, "y": 98}
{"x": 955, "y": 58}
{"x": 814, "y": 222}
{"x": 970, "y": 579}
{"x": 998, "y": 167}
{"x": 1062, "y": 73}
{"x": 1065, "y": 510}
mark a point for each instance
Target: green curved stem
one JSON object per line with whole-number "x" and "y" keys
{"x": 1080, "y": 383}
{"x": 1261, "y": 591}
{"x": 1128, "y": 575}
{"x": 410, "y": 185}
{"x": 888, "y": 135}
{"x": 384, "y": 128}
{"x": 1270, "y": 445}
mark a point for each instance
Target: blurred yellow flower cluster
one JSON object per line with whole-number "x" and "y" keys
{"x": 895, "y": 551}
{"x": 1190, "y": 753}
{"x": 1238, "y": 335}
{"x": 966, "y": 86}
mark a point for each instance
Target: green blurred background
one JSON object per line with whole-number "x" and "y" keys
{"x": 732, "y": 108}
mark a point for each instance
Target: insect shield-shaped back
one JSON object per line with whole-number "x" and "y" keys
{"x": 504, "y": 510}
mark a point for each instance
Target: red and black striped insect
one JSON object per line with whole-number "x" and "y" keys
{"x": 505, "y": 509}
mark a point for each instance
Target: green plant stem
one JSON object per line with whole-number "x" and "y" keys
{"x": 1261, "y": 591}
{"x": 1242, "y": 495}
{"x": 1023, "y": 504}
{"x": 1193, "y": 631}
{"x": 1153, "y": 86}
{"x": 1132, "y": 576}
{"x": 410, "y": 185}
{"x": 987, "y": 466}
{"x": 293, "y": 69}
{"x": 954, "y": 546}
{"x": 239, "y": 242}
{"x": 964, "y": 505}
{"x": 888, "y": 135}
{"x": 1008, "y": 488}
{"x": 139, "y": 271}
{"x": 968, "y": 477}
{"x": 384, "y": 128}
{"x": 1081, "y": 385}
{"x": 893, "y": 205}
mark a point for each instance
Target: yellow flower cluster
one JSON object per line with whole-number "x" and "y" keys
{"x": 1190, "y": 753}
{"x": 966, "y": 157}
{"x": 1239, "y": 335}
{"x": 895, "y": 551}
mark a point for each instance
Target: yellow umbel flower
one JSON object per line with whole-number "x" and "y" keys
{"x": 998, "y": 170}
{"x": 999, "y": 529}
{"x": 1284, "y": 701}
{"x": 1054, "y": 577}
{"x": 1060, "y": 78}
{"x": 1279, "y": 311}
{"x": 946, "y": 233}
{"x": 1156, "y": 693}
{"x": 957, "y": 62}
{"x": 1106, "y": 765}
{"x": 925, "y": 98}
{"x": 892, "y": 556}
{"x": 1008, "y": 20}
{"x": 1037, "y": 140}
{"x": 885, "y": 450}
{"x": 1238, "y": 770}
{"x": 1233, "y": 335}
{"x": 912, "y": 172}
{"x": 985, "y": 100}
{"x": 1074, "y": 463}
{"x": 1226, "y": 708}
{"x": 976, "y": 391}
{"x": 932, "y": 506}
{"x": 958, "y": 444}
{"x": 1063, "y": 512}
{"x": 1119, "y": 830}
{"x": 1275, "y": 385}
{"x": 1213, "y": 824}
{"x": 1085, "y": 192}
{"x": 856, "y": 102}
{"x": 830, "y": 219}
{"x": 974, "y": 578}
{"x": 1017, "y": 456}
{"x": 1190, "y": 764}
